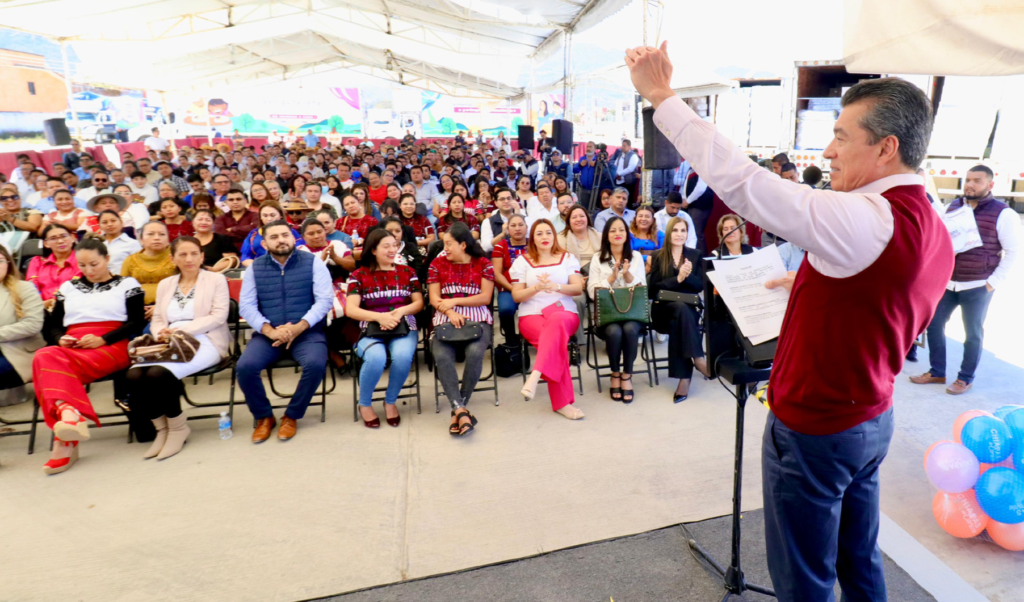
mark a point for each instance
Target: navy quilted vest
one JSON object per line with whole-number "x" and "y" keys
{"x": 285, "y": 295}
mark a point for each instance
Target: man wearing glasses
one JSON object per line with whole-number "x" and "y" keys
{"x": 100, "y": 182}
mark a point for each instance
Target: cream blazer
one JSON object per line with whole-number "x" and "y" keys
{"x": 19, "y": 339}
{"x": 212, "y": 306}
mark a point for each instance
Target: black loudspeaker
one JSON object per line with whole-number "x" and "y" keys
{"x": 57, "y": 133}
{"x": 658, "y": 151}
{"x": 526, "y": 137}
{"x": 561, "y": 135}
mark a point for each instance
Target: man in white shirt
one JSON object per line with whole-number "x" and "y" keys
{"x": 345, "y": 176}
{"x": 626, "y": 164}
{"x": 274, "y": 138}
{"x": 290, "y": 138}
{"x": 977, "y": 273}
{"x": 41, "y": 191}
{"x": 542, "y": 206}
{"x": 100, "y": 182}
{"x": 141, "y": 190}
{"x": 334, "y": 138}
{"x": 155, "y": 142}
{"x": 618, "y": 200}
{"x": 673, "y": 208}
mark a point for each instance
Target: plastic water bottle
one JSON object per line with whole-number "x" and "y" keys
{"x": 225, "y": 426}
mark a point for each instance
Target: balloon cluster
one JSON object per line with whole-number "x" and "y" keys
{"x": 980, "y": 477}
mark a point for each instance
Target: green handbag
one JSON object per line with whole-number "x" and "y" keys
{"x": 622, "y": 305}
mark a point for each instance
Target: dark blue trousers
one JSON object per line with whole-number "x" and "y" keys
{"x": 309, "y": 350}
{"x": 973, "y": 305}
{"x": 821, "y": 510}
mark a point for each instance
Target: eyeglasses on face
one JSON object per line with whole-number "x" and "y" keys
{"x": 58, "y": 238}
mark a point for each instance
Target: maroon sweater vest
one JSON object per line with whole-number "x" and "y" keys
{"x": 844, "y": 340}
{"x": 980, "y": 262}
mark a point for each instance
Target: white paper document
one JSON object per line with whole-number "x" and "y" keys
{"x": 740, "y": 281}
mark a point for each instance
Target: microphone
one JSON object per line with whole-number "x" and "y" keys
{"x": 725, "y": 235}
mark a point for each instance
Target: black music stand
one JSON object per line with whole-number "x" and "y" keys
{"x": 740, "y": 374}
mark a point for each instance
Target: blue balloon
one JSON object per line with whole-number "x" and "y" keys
{"x": 1003, "y": 411}
{"x": 1000, "y": 493}
{"x": 1018, "y": 454}
{"x": 1015, "y": 420}
{"x": 988, "y": 437}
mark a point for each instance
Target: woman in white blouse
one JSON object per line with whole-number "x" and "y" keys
{"x": 119, "y": 244}
{"x": 618, "y": 266}
{"x": 544, "y": 280}
{"x": 195, "y": 301}
{"x": 93, "y": 318}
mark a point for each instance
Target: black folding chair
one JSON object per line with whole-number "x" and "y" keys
{"x": 524, "y": 351}
{"x": 590, "y": 330}
{"x": 380, "y": 390}
{"x": 228, "y": 363}
{"x": 7, "y": 427}
{"x": 491, "y": 378}
{"x": 661, "y": 363}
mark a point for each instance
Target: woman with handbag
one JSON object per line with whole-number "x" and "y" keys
{"x": 544, "y": 280}
{"x": 93, "y": 318}
{"x": 219, "y": 254}
{"x": 617, "y": 266}
{"x": 461, "y": 284}
{"x": 385, "y": 297}
{"x": 677, "y": 268}
{"x": 505, "y": 252}
{"x": 193, "y": 302}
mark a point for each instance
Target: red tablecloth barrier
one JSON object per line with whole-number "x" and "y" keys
{"x": 137, "y": 149}
{"x": 44, "y": 159}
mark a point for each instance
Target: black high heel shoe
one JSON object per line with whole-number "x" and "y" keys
{"x": 616, "y": 392}
{"x": 627, "y": 394}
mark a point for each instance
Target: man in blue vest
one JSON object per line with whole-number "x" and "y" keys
{"x": 977, "y": 273}
{"x": 285, "y": 297}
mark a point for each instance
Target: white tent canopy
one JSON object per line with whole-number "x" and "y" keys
{"x": 459, "y": 47}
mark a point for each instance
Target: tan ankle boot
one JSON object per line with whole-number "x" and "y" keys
{"x": 177, "y": 433}
{"x": 161, "y": 437}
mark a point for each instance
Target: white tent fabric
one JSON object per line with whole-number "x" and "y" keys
{"x": 935, "y": 37}
{"x": 459, "y": 47}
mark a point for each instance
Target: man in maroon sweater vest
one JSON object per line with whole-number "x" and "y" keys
{"x": 878, "y": 260}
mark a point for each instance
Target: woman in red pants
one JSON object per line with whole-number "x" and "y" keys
{"x": 544, "y": 280}
{"x": 94, "y": 316}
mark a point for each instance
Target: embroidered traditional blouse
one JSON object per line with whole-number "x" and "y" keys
{"x": 461, "y": 280}
{"x": 382, "y": 291}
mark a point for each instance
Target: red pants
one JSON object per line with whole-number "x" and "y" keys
{"x": 550, "y": 335}
{"x": 61, "y": 373}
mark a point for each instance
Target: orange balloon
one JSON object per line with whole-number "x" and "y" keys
{"x": 1010, "y": 537}
{"x": 933, "y": 446}
{"x": 962, "y": 419}
{"x": 1007, "y": 463}
{"x": 959, "y": 514}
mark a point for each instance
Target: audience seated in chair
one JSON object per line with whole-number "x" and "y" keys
{"x": 21, "y": 324}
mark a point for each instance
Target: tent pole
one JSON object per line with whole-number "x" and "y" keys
{"x": 648, "y": 175}
{"x": 209, "y": 124}
{"x": 67, "y": 86}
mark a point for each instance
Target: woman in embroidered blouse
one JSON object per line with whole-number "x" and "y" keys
{"x": 544, "y": 280}
{"x": 678, "y": 268}
{"x": 387, "y": 294}
{"x": 408, "y": 252}
{"x": 152, "y": 264}
{"x": 57, "y": 265}
{"x": 95, "y": 315}
{"x": 618, "y": 266}
{"x": 421, "y": 228}
{"x": 461, "y": 285}
{"x": 194, "y": 301}
{"x": 456, "y": 213}
{"x": 172, "y": 214}
{"x": 505, "y": 252}
{"x": 356, "y": 222}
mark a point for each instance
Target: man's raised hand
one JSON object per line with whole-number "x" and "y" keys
{"x": 651, "y": 72}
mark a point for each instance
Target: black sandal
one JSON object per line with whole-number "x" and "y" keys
{"x": 627, "y": 394}
{"x": 464, "y": 427}
{"x": 616, "y": 390}
{"x": 453, "y": 428}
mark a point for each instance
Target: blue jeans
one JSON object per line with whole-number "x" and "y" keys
{"x": 821, "y": 510}
{"x": 374, "y": 357}
{"x": 309, "y": 350}
{"x": 507, "y": 316}
{"x": 973, "y": 305}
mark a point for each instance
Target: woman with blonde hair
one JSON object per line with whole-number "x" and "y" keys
{"x": 735, "y": 239}
{"x": 21, "y": 324}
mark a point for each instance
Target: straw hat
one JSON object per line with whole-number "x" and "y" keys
{"x": 121, "y": 203}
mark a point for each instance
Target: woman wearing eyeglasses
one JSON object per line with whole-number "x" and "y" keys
{"x": 57, "y": 265}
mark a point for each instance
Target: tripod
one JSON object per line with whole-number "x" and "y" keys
{"x": 740, "y": 374}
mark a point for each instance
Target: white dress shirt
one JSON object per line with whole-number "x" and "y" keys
{"x": 624, "y": 166}
{"x": 843, "y": 232}
{"x": 119, "y": 249}
{"x": 600, "y": 272}
{"x": 662, "y": 218}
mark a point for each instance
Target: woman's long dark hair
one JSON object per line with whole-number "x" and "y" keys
{"x": 460, "y": 232}
{"x": 408, "y": 234}
{"x": 448, "y": 218}
{"x": 606, "y": 245}
{"x": 373, "y": 239}
{"x": 55, "y": 226}
{"x": 391, "y": 205}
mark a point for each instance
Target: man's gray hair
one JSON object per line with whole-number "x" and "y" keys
{"x": 621, "y": 190}
{"x": 898, "y": 108}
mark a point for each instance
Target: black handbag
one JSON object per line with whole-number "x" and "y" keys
{"x": 508, "y": 360}
{"x": 470, "y": 331}
{"x": 374, "y": 330}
